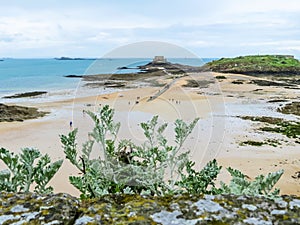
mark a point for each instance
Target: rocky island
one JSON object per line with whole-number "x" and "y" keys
{"x": 257, "y": 65}
{"x": 156, "y": 73}
{"x": 69, "y": 58}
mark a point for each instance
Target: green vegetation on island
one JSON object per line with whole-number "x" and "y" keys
{"x": 257, "y": 65}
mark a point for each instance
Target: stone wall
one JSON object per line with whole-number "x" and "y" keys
{"x": 31, "y": 208}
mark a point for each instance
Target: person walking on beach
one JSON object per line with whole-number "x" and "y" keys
{"x": 71, "y": 125}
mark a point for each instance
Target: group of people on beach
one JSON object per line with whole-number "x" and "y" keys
{"x": 170, "y": 100}
{"x": 136, "y": 102}
{"x": 176, "y": 101}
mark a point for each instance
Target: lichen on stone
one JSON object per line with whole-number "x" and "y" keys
{"x": 165, "y": 218}
{"x": 256, "y": 221}
{"x": 249, "y": 207}
{"x": 18, "y": 209}
{"x": 295, "y": 204}
{"x": 31, "y": 208}
{"x": 84, "y": 220}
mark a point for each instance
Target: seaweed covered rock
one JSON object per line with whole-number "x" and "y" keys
{"x": 291, "y": 108}
{"x": 27, "y": 94}
{"x": 10, "y": 113}
{"x": 135, "y": 209}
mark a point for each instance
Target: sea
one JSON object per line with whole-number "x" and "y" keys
{"x": 49, "y": 74}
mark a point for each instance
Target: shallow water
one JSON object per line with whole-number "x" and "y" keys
{"x": 25, "y": 75}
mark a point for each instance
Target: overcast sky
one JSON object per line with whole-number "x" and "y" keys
{"x": 92, "y": 28}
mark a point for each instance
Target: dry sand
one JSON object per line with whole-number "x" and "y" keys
{"x": 217, "y": 135}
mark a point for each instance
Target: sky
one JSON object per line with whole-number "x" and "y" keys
{"x": 94, "y": 28}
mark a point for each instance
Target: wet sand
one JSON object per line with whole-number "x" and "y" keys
{"x": 217, "y": 135}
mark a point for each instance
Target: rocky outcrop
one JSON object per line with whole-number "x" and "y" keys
{"x": 174, "y": 68}
{"x": 10, "y": 113}
{"x": 74, "y": 76}
{"x": 134, "y": 209}
{"x": 271, "y": 83}
{"x": 290, "y": 108}
{"x": 27, "y": 94}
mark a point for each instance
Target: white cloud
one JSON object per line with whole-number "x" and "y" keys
{"x": 93, "y": 26}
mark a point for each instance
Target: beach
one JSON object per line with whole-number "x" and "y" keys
{"x": 218, "y": 134}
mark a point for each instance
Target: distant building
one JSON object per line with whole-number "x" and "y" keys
{"x": 286, "y": 56}
{"x": 280, "y": 56}
{"x": 159, "y": 59}
{"x": 289, "y": 56}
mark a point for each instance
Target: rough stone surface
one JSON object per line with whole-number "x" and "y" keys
{"x": 185, "y": 209}
{"x": 30, "y": 208}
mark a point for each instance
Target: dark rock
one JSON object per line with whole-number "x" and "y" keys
{"x": 263, "y": 119}
{"x": 74, "y": 76}
{"x": 27, "y": 94}
{"x": 126, "y": 68}
{"x": 18, "y": 113}
{"x": 291, "y": 108}
{"x": 114, "y": 84}
{"x": 270, "y": 83}
{"x": 277, "y": 100}
{"x": 198, "y": 83}
{"x": 237, "y": 82}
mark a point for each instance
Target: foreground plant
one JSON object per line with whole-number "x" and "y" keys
{"x": 23, "y": 171}
{"x": 261, "y": 185}
{"x": 125, "y": 167}
{"x": 154, "y": 167}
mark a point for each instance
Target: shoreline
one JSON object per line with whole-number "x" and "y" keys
{"x": 217, "y": 134}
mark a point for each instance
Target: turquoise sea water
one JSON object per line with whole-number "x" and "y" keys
{"x": 23, "y": 75}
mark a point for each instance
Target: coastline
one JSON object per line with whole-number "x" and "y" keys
{"x": 217, "y": 134}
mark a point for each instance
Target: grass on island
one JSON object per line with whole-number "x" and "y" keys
{"x": 257, "y": 64}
